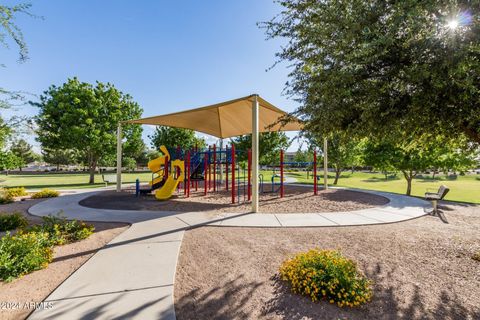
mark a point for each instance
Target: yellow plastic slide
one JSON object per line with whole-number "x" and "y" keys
{"x": 171, "y": 184}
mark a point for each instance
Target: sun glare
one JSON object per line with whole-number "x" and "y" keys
{"x": 452, "y": 24}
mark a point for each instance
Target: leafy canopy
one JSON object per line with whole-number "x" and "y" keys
{"x": 270, "y": 144}
{"x": 370, "y": 65}
{"x": 84, "y": 117}
{"x": 172, "y": 137}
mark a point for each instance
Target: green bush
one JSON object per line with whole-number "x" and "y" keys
{"x": 61, "y": 231}
{"x": 327, "y": 275}
{"x": 5, "y": 197}
{"x": 45, "y": 193}
{"x": 12, "y": 221}
{"x": 23, "y": 253}
{"x": 17, "y": 191}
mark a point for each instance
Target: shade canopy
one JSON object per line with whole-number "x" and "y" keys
{"x": 227, "y": 119}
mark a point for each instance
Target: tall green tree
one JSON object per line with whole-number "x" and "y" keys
{"x": 84, "y": 117}
{"x": 23, "y": 150}
{"x": 411, "y": 154}
{"x": 11, "y": 32}
{"x": 8, "y": 161}
{"x": 172, "y": 137}
{"x": 371, "y": 65}
{"x": 58, "y": 157}
{"x": 269, "y": 146}
{"x": 343, "y": 150}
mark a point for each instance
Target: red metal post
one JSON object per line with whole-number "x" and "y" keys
{"x": 214, "y": 167}
{"x": 249, "y": 168}
{"x": 281, "y": 174}
{"x": 315, "y": 190}
{"x": 205, "y": 173}
{"x": 196, "y": 151}
{"x": 166, "y": 167}
{"x": 187, "y": 184}
{"x": 233, "y": 173}
{"x": 209, "y": 169}
{"x": 226, "y": 169}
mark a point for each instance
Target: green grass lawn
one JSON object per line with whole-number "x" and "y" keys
{"x": 65, "y": 181}
{"x": 463, "y": 188}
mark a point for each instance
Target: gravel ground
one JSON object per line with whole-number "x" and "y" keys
{"x": 297, "y": 199}
{"x": 422, "y": 269}
{"x": 36, "y": 286}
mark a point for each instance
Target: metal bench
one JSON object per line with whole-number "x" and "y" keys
{"x": 434, "y": 197}
{"x": 109, "y": 178}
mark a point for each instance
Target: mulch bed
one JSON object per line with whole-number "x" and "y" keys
{"x": 296, "y": 200}
{"x": 422, "y": 269}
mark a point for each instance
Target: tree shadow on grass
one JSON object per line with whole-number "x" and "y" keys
{"x": 406, "y": 302}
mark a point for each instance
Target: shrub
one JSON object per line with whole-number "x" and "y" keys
{"x": 17, "y": 191}
{"x": 23, "y": 253}
{"x": 61, "y": 231}
{"x": 45, "y": 193}
{"x": 5, "y": 197}
{"x": 326, "y": 274}
{"x": 12, "y": 221}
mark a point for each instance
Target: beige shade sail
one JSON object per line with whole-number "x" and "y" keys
{"x": 227, "y": 119}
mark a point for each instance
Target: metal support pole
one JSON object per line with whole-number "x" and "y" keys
{"x": 281, "y": 174}
{"x": 187, "y": 184}
{"x": 315, "y": 189}
{"x": 249, "y": 172}
{"x": 325, "y": 164}
{"x": 220, "y": 165}
{"x": 226, "y": 168}
{"x": 196, "y": 153}
{"x": 205, "y": 173}
{"x": 214, "y": 167}
{"x": 233, "y": 173}
{"x": 119, "y": 157}
{"x": 255, "y": 153}
{"x": 209, "y": 168}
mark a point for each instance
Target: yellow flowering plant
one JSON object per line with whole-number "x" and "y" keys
{"x": 326, "y": 275}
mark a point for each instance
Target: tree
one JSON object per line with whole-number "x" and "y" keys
{"x": 8, "y": 161}
{"x": 84, "y": 118}
{"x": 369, "y": 66}
{"x": 58, "y": 157}
{"x": 343, "y": 150}
{"x": 10, "y": 30}
{"x": 270, "y": 144}
{"x": 23, "y": 150}
{"x": 172, "y": 137}
{"x": 303, "y": 155}
{"x": 411, "y": 154}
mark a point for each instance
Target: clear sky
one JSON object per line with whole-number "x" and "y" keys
{"x": 169, "y": 55}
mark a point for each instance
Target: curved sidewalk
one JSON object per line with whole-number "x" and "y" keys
{"x": 133, "y": 275}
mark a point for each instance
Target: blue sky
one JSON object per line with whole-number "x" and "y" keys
{"x": 169, "y": 55}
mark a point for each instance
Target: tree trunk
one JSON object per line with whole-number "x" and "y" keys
{"x": 92, "y": 165}
{"x": 433, "y": 176}
{"x": 20, "y": 168}
{"x": 58, "y": 167}
{"x": 409, "y": 177}
{"x": 386, "y": 175}
{"x": 337, "y": 175}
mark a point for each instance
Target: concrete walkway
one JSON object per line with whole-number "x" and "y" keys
{"x": 133, "y": 276}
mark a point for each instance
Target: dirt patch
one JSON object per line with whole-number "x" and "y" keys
{"x": 36, "y": 286}
{"x": 422, "y": 269}
{"x": 296, "y": 200}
